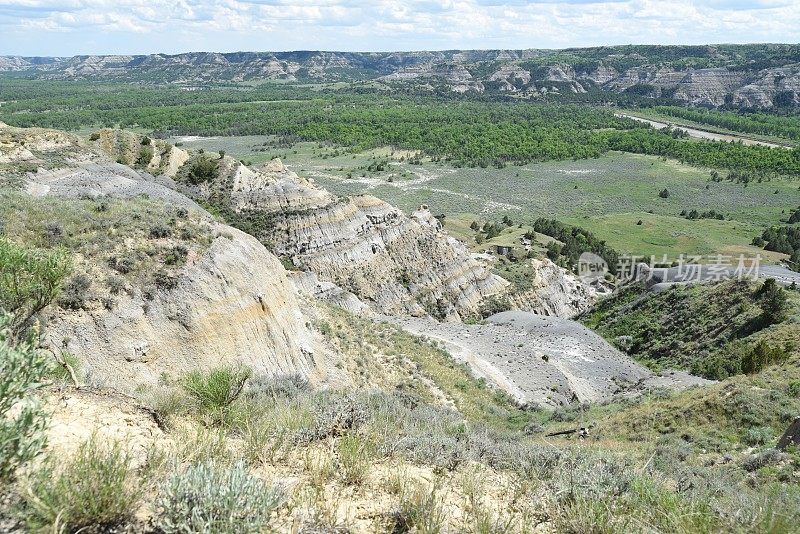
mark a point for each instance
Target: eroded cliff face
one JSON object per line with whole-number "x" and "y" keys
{"x": 229, "y": 303}
{"x": 738, "y": 77}
{"x": 773, "y": 85}
{"x": 232, "y": 306}
{"x": 151, "y": 155}
{"x": 395, "y": 263}
{"x": 555, "y": 292}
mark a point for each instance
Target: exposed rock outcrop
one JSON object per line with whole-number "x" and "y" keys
{"x": 555, "y": 292}
{"x": 753, "y": 76}
{"x": 233, "y": 306}
{"x": 779, "y": 86}
{"x": 395, "y": 263}
{"x": 79, "y": 415}
{"x": 538, "y": 360}
{"x": 152, "y": 155}
{"x": 230, "y": 303}
{"x": 544, "y": 361}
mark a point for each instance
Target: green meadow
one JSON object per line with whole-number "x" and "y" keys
{"x": 608, "y": 195}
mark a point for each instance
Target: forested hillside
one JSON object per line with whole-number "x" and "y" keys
{"x": 463, "y": 131}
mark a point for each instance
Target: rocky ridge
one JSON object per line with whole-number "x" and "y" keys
{"x": 392, "y": 263}
{"x": 722, "y": 74}
{"x": 233, "y": 303}
{"x": 395, "y": 263}
{"x": 555, "y": 292}
{"x": 147, "y": 334}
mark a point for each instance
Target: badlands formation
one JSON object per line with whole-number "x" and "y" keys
{"x": 233, "y": 301}
{"x": 531, "y": 73}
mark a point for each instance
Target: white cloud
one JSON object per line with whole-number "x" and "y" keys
{"x": 137, "y": 26}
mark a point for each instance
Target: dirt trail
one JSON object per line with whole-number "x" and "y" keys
{"x": 702, "y": 134}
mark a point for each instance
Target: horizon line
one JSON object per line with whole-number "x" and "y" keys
{"x": 332, "y": 51}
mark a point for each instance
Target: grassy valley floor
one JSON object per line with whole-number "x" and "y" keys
{"x": 607, "y": 196}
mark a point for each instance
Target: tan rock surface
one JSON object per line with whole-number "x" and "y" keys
{"x": 233, "y": 306}
{"x": 78, "y": 415}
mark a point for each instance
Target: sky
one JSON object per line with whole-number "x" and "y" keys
{"x": 72, "y": 27}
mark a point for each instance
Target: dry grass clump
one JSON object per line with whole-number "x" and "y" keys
{"x": 94, "y": 491}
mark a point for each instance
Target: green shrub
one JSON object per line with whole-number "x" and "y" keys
{"x": 760, "y": 356}
{"x": 774, "y": 302}
{"x": 22, "y": 430}
{"x": 94, "y": 491}
{"x": 208, "y": 499}
{"x": 218, "y": 388}
{"x": 29, "y": 281}
{"x": 757, "y": 435}
{"x": 202, "y": 170}
{"x": 146, "y": 153}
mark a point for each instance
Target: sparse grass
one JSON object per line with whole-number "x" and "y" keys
{"x": 319, "y": 465}
{"x": 420, "y": 509}
{"x": 108, "y": 241}
{"x": 354, "y": 456}
{"x": 166, "y": 401}
{"x": 423, "y": 365}
{"x": 480, "y": 518}
{"x": 318, "y": 511}
{"x": 198, "y": 444}
{"x": 94, "y": 491}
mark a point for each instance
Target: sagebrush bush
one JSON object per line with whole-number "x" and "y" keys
{"x": 265, "y": 388}
{"x": 29, "y": 281}
{"x": 757, "y": 435}
{"x": 176, "y": 255}
{"x": 22, "y": 420}
{"x": 94, "y": 491}
{"x": 53, "y": 232}
{"x": 160, "y": 231}
{"x": 335, "y": 415}
{"x": 75, "y": 292}
{"x": 122, "y": 264}
{"x": 209, "y": 499}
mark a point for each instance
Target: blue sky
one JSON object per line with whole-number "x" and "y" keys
{"x": 69, "y": 27}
